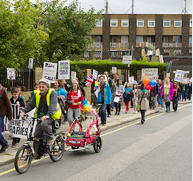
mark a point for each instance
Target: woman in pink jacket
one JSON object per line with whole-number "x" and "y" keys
{"x": 167, "y": 92}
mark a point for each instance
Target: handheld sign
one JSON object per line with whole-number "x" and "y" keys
{"x": 11, "y": 73}
{"x": 179, "y": 76}
{"x": 114, "y": 70}
{"x": 49, "y": 71}
{"x": 73, "y": 76}
{"x": 30, "y": 63}
{"x": 64, "y": 69}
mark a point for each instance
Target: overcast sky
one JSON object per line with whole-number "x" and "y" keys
{"x": 141, "y": 6}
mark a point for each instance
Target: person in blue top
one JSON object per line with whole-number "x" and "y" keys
{"x": 127, "y": 96}
{"x": 60, "y": 92}
{"x": 104, "y": 98}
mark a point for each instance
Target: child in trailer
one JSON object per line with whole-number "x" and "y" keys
{"x": 134, "y": 98}
{"x": 119, "y": 90}
{"x": 15, "y": 99}
{"x": 127, "y": 96}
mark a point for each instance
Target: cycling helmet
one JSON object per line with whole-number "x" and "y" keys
{"x": 45, "y": 81}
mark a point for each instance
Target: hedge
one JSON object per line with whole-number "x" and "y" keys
{"x": 106, "y": 65}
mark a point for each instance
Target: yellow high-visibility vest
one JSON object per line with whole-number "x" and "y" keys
{"x": 58, "y": 112}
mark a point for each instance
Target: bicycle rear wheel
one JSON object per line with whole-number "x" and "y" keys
{"x": 57, "y": 149}
{"x": 23, "y": 159}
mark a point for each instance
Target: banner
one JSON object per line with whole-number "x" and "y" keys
{"x": 49, "y": 71}
{"x": 151, "y": 73}
{"x": 114, "y": 70}
{"x": 11, "y": 73}
{"x": 179, "y": 76}
{"x": 30, "y": 63}
{"x": 64, "y": 69}
{"x": 95, "y": 73}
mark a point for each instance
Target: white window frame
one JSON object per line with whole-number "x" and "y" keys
{"x": 86, "y": 54}
{"x": 190, "y": 22}
{"x": 97, "y": 51}
{"x": 100, "y": 24}
{"x": 151, "y": 20}
{"x": 176, "y": 21}
{"x": 114, "y": 20}
{"x": 175, "y": 51}
{"x": 142, "y": 20}
{"x": 165, "y": 21}
{"x": 113, "y": 52}
{"x": 176, "y": 37}
{"x": 189, "y": 39}
{"x": 125, "y": 20}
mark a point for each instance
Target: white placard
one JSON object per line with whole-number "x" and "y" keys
{"x": 95, "y": 73}
{"x": 114, "y": 70}
{"x": 168, "y": 75}
{"x": 151, "y": 73}
{"x": 73, "y": 76}
{"x": 11, "y": 73}
{"x": 49, "y": 71}
{"x": 96, "y": 93}
{"x": 131, "y": 80}
{"x": 64, "y": 70}
{"x": 5, "y": 129}
{"x": 30, "y": 63}
{"x": 179, "y": 76}
{"x": 127, "y": 59}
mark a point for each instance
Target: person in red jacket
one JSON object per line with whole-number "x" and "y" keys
{"x": 5, "y": 110}
{"x": 74, "y": 96}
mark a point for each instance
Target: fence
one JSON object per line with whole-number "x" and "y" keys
{"x": 21, "y": 79}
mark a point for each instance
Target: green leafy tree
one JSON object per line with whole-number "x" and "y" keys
{"x": 69, "y": 29}
{"x": 21, "y": 34}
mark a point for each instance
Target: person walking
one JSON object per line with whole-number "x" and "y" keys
{"x": 119, "y": 90}
{"x": 184, "y": 89}
{"x": 74, "y": 96}
{"x": 141, "y": 97}
{"x": 175, "y": 97}
{"x": 134, "y": 98}
{"x": 5, "y": 110}
{"x": 167, "y": 93}
{"x": 104, "y": 98}
{"x": 131, "y": 85}
{"x": 47, "y": 109}
{"x": 113, "y": 90}
{"x": 189, "y": 89}
{"x": 150, "y": 53}
{"x": 109, "y": 81}
{"x": 127, "y": 96}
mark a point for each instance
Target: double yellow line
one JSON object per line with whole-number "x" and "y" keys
{"x": 10, "y": 170}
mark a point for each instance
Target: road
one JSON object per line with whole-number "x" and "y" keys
{"x": 159, "y": 150}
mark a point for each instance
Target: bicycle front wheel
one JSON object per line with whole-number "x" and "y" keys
{"x": 23, "y": 159}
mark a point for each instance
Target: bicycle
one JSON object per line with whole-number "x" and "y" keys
{"x": 23, "y": 156}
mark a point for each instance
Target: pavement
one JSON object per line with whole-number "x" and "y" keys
{"x": 113, "y": 121}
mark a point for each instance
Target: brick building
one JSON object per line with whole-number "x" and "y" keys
{"x": 117, "y": 33}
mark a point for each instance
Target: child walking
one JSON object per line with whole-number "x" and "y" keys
{"x": 134, "y": 98}
{"x": 127, "y": 96}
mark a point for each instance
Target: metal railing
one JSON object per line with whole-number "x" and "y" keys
{"x": 119, "y": 45}
{"x": 95, "y": 45}
{"x": 146, "y": 44}
{"x": 172, "y": 45}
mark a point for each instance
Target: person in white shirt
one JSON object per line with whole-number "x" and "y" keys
{"x": 150, "y": 53}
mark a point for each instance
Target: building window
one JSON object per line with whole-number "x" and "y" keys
{"x": 86, "y": 54}
{"x": 98, "y": 41}
{"x": 124, "y": 22}
{"x": 114, "y": 22}
{"x": 123, "y": 53}
{"x": 190, "y": 23}
{"x": 190, "y": 39}
{"x": 139, "y": 39}
{"x": 177, "y": 52}
{"x": 140, "y": 23}
{"x": 176, "y": 39}
{"x": 99, "y": 23}
{"x": 166, "y": 52}
{"x": 124, "y": 39}
{"x": 151, "y": 23}
{"x": 190, "y": 51}
{"x": 166, "y": 23}
{"x": 177, "y": 23}
{"x": 114, "y": 54}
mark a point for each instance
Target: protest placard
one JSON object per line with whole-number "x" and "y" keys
{"x": 168, "y": 75}
{"x": 30, "y": 63}
{"x": 151, "y": 73}
{"x": 11, "y": 73}
{"x": 179, "y": 76}
{"x": 73, "y": 76}
{"x": 131, "y": 80}
{"x": 64, "y": 70}
{"x": 114, "y": 70}
{"x": 95, "y": 73}
{"x": 49, "y": 71}
{"x": 5, "y": 129}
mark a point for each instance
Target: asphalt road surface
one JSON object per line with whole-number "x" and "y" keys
{"x": 159, "y": 150}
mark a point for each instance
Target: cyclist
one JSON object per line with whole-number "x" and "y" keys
{"x": 47, "y": 108}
